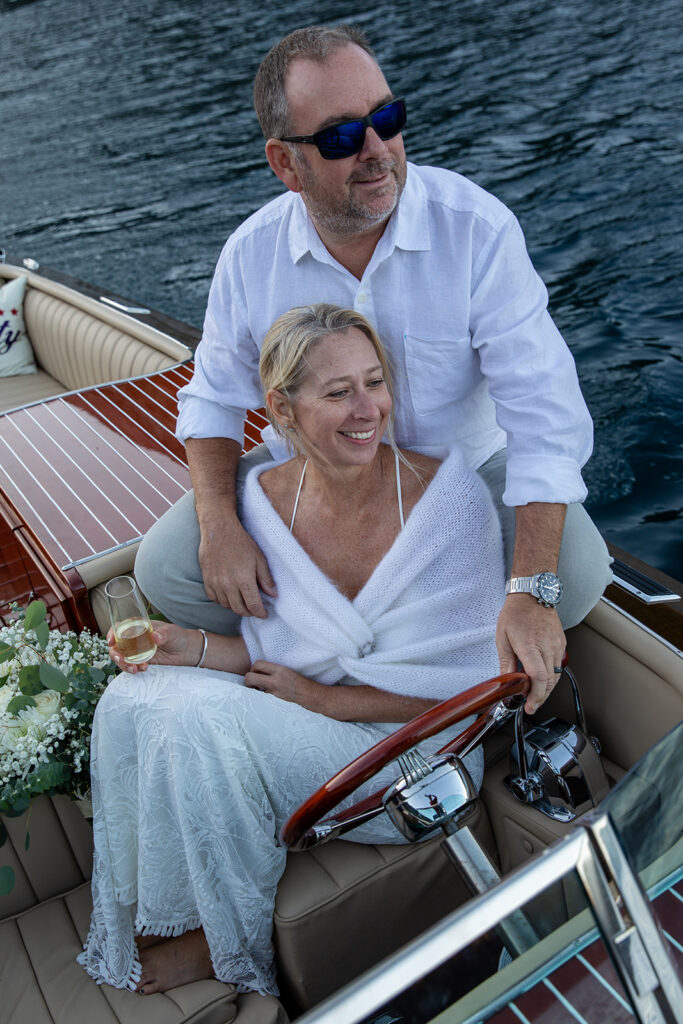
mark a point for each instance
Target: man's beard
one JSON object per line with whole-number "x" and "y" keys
{"x": 347, "y": 215}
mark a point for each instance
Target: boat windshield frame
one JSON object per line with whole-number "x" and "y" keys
{"x": 618, "y": 910}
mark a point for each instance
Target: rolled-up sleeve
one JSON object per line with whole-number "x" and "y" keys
{"x": 531, "y": 375}
{"x": 225, "y": 382}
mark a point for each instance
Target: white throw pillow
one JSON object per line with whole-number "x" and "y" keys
{"x": 16, "y": 354}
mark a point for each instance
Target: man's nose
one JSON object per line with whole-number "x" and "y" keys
{"x": 373, "y": 147}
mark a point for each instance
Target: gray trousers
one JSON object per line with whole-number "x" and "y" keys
{"x": 167, "y": 566}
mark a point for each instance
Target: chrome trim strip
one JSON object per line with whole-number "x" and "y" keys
{"x": 652, "y": 632}
{"x": 95, "y": 387}
{"x": 120, "y": 306}
{"x": 100, "y": 554}
{"x": 644, "y": 587}
{"x": 642, "y": 596}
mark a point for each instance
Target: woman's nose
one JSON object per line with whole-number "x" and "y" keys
{"x": 364, "y": 406}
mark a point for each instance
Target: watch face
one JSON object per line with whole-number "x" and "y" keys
{"x": 549, "y": 588}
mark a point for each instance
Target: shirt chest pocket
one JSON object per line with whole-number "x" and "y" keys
{"x": 439, "y": 370}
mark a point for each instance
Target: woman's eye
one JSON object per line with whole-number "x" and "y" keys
{"x": 377, "y": 382}
{"x": 337, "y": 394}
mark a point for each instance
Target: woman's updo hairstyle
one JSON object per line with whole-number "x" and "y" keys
{"x": 284, "y": 366}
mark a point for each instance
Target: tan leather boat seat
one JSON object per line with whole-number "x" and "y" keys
{"x": 44, "y": 922}
{"x": 26, "y": 388}
{"x": 79, "y": 342}
{"x": 342, "y": 907}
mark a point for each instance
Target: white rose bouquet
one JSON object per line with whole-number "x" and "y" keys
{"x": 50, "y": 683}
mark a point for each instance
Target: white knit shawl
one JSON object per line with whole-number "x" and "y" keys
{"x": 423, "y": 625}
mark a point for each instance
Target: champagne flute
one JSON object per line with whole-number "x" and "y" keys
{"x": 132, "y": 627}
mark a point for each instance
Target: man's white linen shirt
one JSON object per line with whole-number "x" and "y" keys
{"x": 477, "y": 360}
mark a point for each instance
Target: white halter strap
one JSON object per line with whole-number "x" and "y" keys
{"x": 298, "y": 495}
{"x": 399, "y": 494}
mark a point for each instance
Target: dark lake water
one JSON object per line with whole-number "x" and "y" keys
{"x": 129, "y": 151}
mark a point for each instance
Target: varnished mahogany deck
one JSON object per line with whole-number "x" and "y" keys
{"x": 84, "y": 474}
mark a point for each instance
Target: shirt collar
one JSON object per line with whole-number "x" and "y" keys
{"x": 408, "y": 228}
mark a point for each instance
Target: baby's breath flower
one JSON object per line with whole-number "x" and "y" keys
{"x": 46, "y": 734}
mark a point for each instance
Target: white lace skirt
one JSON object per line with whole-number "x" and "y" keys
{"x": 193, "y": 775}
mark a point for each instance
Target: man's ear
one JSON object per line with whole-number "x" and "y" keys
{"x": 281, "y": 163}
{"x": 279, "y": 407}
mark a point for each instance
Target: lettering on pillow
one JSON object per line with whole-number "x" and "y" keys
{"x": 16, "y": 353}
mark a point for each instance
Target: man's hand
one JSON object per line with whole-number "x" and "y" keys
{"x": 234, "y": 568}
{"x": 529, "y": 633}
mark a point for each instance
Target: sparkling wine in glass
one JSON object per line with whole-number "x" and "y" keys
{"x": 132, "y": 627}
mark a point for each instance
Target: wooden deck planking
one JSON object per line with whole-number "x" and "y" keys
{"x": 91, "y": 471}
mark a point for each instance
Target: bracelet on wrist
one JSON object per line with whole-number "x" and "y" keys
{"x": 204, "y": 648}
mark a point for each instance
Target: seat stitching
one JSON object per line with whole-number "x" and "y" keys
{"x": 35, "y": 976}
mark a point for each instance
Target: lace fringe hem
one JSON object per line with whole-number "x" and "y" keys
{"x": 166, "y": 931}
{"x": 102, "y": 976}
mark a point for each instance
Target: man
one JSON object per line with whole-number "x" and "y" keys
{"x": 441, "y": 268}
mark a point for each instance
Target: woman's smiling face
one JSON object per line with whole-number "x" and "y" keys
{"x": 342, "y": 408}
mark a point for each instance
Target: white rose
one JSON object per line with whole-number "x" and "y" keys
{"x": 10, "y": 734}
{"x": 6, "y": 694}
{"x": 47, "y": 703}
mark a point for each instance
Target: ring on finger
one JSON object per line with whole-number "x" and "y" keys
{"x": 557, "y": 671}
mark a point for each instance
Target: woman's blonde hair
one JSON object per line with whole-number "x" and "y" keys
{"x": 283, "y": 365}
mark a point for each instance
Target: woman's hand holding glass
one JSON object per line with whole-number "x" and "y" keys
{"x": 175, "y": 646}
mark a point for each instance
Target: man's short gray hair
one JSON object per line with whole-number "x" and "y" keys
{"x": 316, "y": 42}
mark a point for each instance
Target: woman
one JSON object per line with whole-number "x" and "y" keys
{"x": 389, "y": 579}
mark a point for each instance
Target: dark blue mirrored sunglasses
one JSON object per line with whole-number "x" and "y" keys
{"x": 347, "y": 138}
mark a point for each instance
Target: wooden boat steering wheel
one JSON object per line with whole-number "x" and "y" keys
{"x": 298, "y": 832}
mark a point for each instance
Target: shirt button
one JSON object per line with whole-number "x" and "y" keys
{"x": 363, "y": 297}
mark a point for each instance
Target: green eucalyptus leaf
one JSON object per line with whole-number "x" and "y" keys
{"x": 49, "y": 776}
{"x": 7, "y": 652}
{"x": 6, "y": 880}
{"x": 19, "y": 805}
{"x": 52, "y": 679}
{"x": 35, "y": 613}
{"x": 18, "y": 704}
{"x": 42, "y": 635}
{"x": 29, "y": 680}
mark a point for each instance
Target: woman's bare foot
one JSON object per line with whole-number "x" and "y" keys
{"x": 145, "y": 941}
{"x": 175, "y": 962}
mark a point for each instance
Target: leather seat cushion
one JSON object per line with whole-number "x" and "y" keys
{"x": 28, "y": 387}
{"x": 343, "y": 906}
{"x": 41, "y": 982}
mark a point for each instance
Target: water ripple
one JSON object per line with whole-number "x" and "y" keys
{"x": 134, "y": 151}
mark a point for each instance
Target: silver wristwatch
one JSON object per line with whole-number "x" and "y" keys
{"x": 546, "y": 587}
